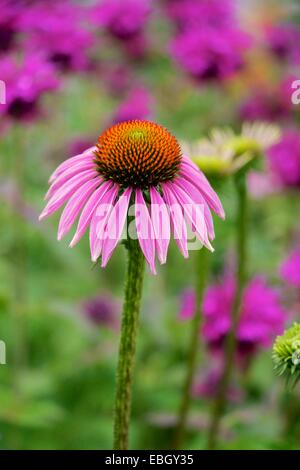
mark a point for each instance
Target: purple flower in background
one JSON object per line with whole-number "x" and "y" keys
{"x": 269, "y": 105}
{"x": 261, "y": 318}
{"x": 123, "y": 19}
{"x": 8, "y": 25}
{"x": 284, "y": 160}
{"x": 188, "y": 14}
{"x": 284, "y": 42}
{"x": 102, "y": 311}
{"x": 79, "y": 145}
{"x": 61, "y": 33}
{"x": 188, "y": 304}
{"x": 290, "y": 269}
{"x": 208, "y": 383}
{"x": 210, "y": 53}
{"x": 136, "y": 106}
{"x": 26, "y": 82}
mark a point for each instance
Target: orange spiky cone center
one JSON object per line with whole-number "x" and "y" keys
{"x": 137, "y": 154}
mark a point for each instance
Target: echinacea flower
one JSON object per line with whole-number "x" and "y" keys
{"x": 136, "y": 161}
{"x": 101, "y": 310}
{"x": 290, "y": 269}
{"x": 225, "y": 152}
{"x": 210, "y": 54}
{"x": 26, "y": 81}
{"x": 286, "y": 354}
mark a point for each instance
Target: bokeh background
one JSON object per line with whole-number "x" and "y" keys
{"x": 72, "y": 69}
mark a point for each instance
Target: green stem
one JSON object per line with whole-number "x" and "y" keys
{"x": 127, "y": 347}
{"x": 230, "y": 345}
{"x": 201, "y": 273}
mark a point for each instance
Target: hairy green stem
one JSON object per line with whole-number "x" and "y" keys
{"x": 201, "y": 276}
{"x": 230, "y": 344}
{"x": 127, "y": 347}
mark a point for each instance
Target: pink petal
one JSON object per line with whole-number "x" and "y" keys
{"x": 144, "y": 229}
{"x": 193, "y": 213}
{"x": 99, "y": 221}
{"x": 115, "y": 226}
{"x": 89, "y": 210}
{"x": 177, "y": 220}
{"x": 68, "y": 174}
{"x": 197, "y": 197}
{"x": 190, "y": 172}
{"x": 74, "y": 206}
{"x": 61, "y": 196}
{"x": 161, "y": 224}
{"x": 71, "y": 161}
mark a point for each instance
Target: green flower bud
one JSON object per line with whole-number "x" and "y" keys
{"x": 286, "y": 354}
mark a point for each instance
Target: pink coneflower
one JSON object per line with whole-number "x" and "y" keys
{"x": 26, "y": 81}
{"x": 136, "y": 161}
{"x": 290, "y": 269}
{"x": 209, "y": 53}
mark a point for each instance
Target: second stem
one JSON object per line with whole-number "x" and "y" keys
{"x": 230, "y": 344}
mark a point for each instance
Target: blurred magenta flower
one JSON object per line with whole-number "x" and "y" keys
{"x": 208, "y": 383}
{"x": 9, "y": 13}
{"x": 133, "y": 161}
{"x": 210, "y": 53}
{"x": 26, "y": 81}
{"x": 273, "y": 104}
{"x": 188, "y": 304}
{"x": 283, "y": 40}
{"x": 123, "y": 19}
{"x": 261, "y": 319}
{"x": 290, "y": 269}
{"x": 284, "y": 160}
{"x": 137, "y": 105}
{"x": 102, "y": 311}
{"x": 62, "y": 34}
{"x": 187, "y": 14}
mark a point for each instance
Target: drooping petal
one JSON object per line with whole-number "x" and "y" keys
{"x": 74, "y": 206}
{"x": 177, "y": 220}
{"x": 190, "y": 172}
{"x": 88, "y": 211}
{"x": 194, "y": 214}
{"x": 87, "y": 154}
{"x": 144, "y": 229}
{"x": 198, "y": 198}
{"x": 161, "y": 224}
{"x": 99, "y": 221}
{"x": 68, "y": 174}
{"x": 62, "y": 195}
{"x": 115, "y": 226}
